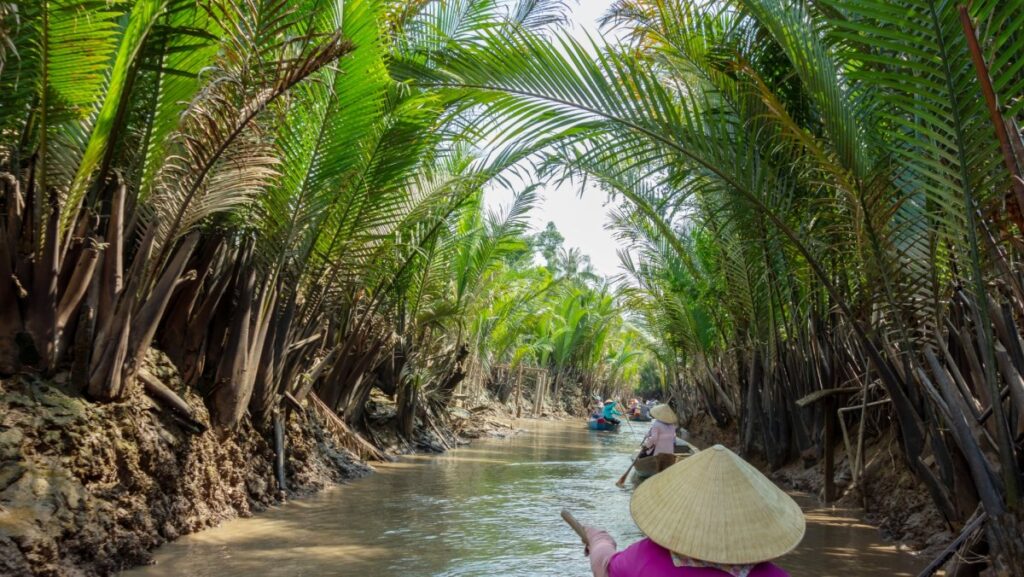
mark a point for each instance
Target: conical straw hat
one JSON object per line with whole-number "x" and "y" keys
{"x": 665, "y": 414}
{"x": 716, "y": 507}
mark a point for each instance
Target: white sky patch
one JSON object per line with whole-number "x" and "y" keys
{"x": 581, "y": 220}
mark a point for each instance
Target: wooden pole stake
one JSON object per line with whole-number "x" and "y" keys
{"x": 830, "y": 416}
{"x": 519, "y": 392}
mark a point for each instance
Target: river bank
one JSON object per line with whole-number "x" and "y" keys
{"x": 89, "y": 489}
{"x": 92, "y": 489}
{"x": 487, "y": 509}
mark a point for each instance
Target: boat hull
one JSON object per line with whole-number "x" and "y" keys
{"x": 648, "y": 466}
{"x": 595, "y": 425}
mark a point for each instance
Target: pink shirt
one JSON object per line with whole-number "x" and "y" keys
{"x": 645, "y": 558}
{"x": 662, "y": 437}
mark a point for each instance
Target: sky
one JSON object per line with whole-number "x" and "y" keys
{"x": 580, "y": 220}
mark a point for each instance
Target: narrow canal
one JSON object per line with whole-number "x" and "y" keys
{"x": 487, "y": 510}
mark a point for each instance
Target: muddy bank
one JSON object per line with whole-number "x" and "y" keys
{"x": 456, "y": 425}
{"x": 88, "y": 489}
{"x": 490, "y": 509}
{"x": 889, "y": 496}
{"x": 92, "y": 488}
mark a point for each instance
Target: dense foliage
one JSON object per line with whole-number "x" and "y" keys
{"x": 562, "y": 318}
{"x": 245, "y": 187}
{"x": 824, "y": 204}
{"x": 821, "y": 202}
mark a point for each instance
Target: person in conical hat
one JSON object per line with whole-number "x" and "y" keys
{"x": 661, "y": 437}
{"x": 711, "y": 515}
{"x": 610, "y": 412}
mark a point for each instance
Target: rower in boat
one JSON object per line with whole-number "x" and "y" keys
{"x": 645, "y": 412}
{"x": 660, "y": 441}
{"x": 639, "y": 411}
{"x": 713, "y": 515}
{"x": 633, "y": 410}
{"x": 610, "y": 412}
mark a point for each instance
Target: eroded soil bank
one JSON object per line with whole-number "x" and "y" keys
{"x": 487, "y": 509}
{"x": 89, "y": 489}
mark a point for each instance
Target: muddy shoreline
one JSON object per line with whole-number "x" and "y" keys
{"x": 89, "y": 489}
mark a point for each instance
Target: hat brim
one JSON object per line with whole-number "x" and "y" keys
{"x": 665, "y": 414}
{"x": 716, "y": 507}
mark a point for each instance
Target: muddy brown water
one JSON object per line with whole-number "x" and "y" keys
{"x": 487, "y": 510}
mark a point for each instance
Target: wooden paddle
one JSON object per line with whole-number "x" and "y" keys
{"x": 576, "y": 526}
{"x": 622, "y": 480}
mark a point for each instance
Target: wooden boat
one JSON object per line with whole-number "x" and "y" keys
{"x": 601, "y": 425}
{"x": 648, "y": 466}
{"x": 640, "y": 418}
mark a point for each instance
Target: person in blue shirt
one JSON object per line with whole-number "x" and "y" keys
{"x": 610, "y": 413}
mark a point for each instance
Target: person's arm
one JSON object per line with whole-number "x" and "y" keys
{"x": 601, "y": 549}
{"x": 652, "y": 438}
{"x": 605, "y": 560}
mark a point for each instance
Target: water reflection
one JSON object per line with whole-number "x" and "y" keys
{"x": 490, "y": 509}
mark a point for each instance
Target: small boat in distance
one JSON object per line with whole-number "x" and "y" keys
{"x": 640, "y": 418}
{"x": 601, "y": 424}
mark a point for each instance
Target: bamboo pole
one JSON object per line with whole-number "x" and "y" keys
{"x": 537, "y": 386}
{"x": 279, "y": 440}
{"x": 547, "y": 392}
{"x": 519, "y": 393}
{"x": 540, "y": 391}
{"x": 858, "y": 462}
{"x": 830, "y": 480}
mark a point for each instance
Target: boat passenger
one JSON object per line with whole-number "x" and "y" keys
{"x": 610, "y": 412}
{"x": 661, "y": 437}
{"x": 645, "y": 411}
{"x": 712, "y": 515}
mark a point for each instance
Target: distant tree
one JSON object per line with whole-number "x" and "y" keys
{"x": 548, "y": 242}
{"x": 572, "y": 263}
